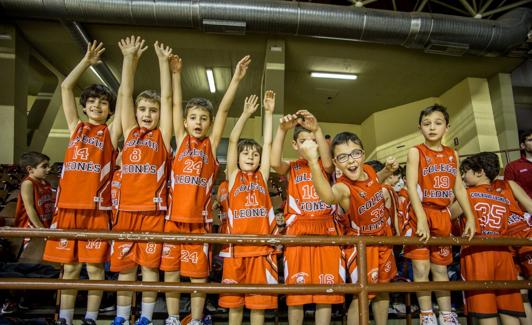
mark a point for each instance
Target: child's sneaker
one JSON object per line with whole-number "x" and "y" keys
{"x": 119, "y": 321}
{"x": 195, "y": 322}
{"x": 172, "y": 321}
{"x": 448, "y": 318}
{"x": 88, "y": 321}
{"x": 427, "y": 318}
{"x": 143, "y": 321}
{"x": 61, "y": 321}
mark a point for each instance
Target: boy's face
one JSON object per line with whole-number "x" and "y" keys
{"x": 392, "y": 180}
{"x": 148, "y": 113}
{"x": 249, "y": 159}
{"x": 97, "y": 109}
{"x": 301, "y": 138}
{"x": 349, "y": 159}
{"x": 471, "y": 178}
{"x": 41, "y": 171}
{"x": 527, "y": 145}
{"x": 197, "y": 122}
{"x": 433, "y": 126}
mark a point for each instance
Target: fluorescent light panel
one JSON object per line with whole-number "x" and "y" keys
{"x": 333, "y": 75}
{"x": 210, "y": 80}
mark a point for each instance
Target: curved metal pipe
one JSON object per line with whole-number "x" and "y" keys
{"x": 432, "y": 32}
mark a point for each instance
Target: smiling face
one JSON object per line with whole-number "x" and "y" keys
{"x": 349, "y": 159}
{"x": 148, "y": 113}
{"x": 97, "y": 109}
{"x": 198, "y": 122}
{"x": 433, "y": 126}
{"x": 249, "y": 158}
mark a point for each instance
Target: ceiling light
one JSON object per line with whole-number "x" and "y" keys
{"x": 333, "y": 75}
{"x": 210, "y": 80}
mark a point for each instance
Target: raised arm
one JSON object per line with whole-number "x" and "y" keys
{"x": 92, "y": 56}
{"x": 390, "y": 166}
{"x": 227, "y": 101}
{"x": 176, "y": 65}
{"x": 132, "y": 48}
{"x": 26, "y": 191}
{"x": 328, "y": 194}
{"x": 269, "y": 107}
{"x": 460, "y": 193}
{"x": 250, "y": 106}
{"x": 412, "y": 163}
{"x": 310, "y": 123}
{"x": 165, "y": 121}
{"x": 521, "y": 196}
{"x": 276, "y": 162}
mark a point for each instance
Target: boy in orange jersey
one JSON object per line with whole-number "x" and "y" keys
{"x": 360, "y": 194}
{"x": 193, "y": 175}
{"x": 88, "y": 165}
{"x": 306, "y": 214}
{"x": 250, "y": 212}
{"x": 490, "y": 200}
{"x": 35, "y": 204}
{"x": 432, "y": 183}
{"x": 147, "y": 126}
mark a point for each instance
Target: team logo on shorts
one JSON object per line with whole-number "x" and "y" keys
{"x": 388, "y": 266}
{"x": 63, "y": 243}
{"x": 167, "y": 249}
{"x": 374, "y": 276}
{"x": 300, "y": 277}
{"x": 124, "y": 249}
{"x": 444, "y": 251}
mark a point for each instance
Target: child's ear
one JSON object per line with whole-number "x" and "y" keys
{"x": 28, "y": 169}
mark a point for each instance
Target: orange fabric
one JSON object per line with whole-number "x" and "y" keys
{"x": 88, "y": 165}
{"x": 392, "y": 210}
{"x": 380, "y": 261}
{"x": 367, "y": 212}
{"x": 193, "y": 175}
{"x": 126, "y": 255}
{"x": 192, "y": 260}
{"x": 402, "y": 210}
{"x": 250, "y": 212}
{"x": 144, "y": 171}
{"x": 249, "y": 270}
{"x": 115, "y": 189}
{"x": 439, "y": 220}
{"x": 485, "y": 264}
{"x": 303, "y": 201}
{"x": 223, "y": 200}
{"x": 43, "y": 202}
{"x": 72, "y": 251}
{"x": 314, "y": 264}
{"x": 436, "y": 175}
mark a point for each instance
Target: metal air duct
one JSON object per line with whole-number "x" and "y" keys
{"x": 431, "y": 32}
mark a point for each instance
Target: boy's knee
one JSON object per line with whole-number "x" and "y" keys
{"x": 439, "y": 272}
{"x": 71, "y": 271}
{"x": 421, "y": 269}
{"x": 95, "y": 271}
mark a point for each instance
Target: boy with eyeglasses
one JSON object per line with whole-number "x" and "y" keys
{"x": 359, "y": 193}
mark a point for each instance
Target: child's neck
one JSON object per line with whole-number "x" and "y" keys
{"x": 94, "y": 122}
{"x": 434, "y": 145}
{"x": 485, "y": 181}
{"x": 35, "y": 178}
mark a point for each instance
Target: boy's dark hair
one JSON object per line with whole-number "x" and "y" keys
{"x": 345, "y": 137}
{"x": 244, "y": 144}
{"x": 201, "y": 103}
{"x": 32, "y": 159}
{"x": 377, "y": 165}
{"x": 150, "y": 95}
{"x": 524, "y": 135}
{"x": 98, "y": 91}
{"x": 483, "y": 161}
{"x": 327, "y": 136}
{"x": 298, "y": 129}
{"x": 434, "y": 108}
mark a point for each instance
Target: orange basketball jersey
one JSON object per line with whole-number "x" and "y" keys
{"x": 250, "y": 212}
{"x": 403, "y": 208}
{"x": 436, "y": 175}
{"x": 193, "y": 175}
{"x": 87, "y": 169}
{"x": 519, "y": 220}
{"x": 43, "y": 202}
{"x": 144, "y": 171}
{"x": 491, "y": 208}
{"x": 223, "y": 200}
{"x": 394, "y": 207}
{"x": 303, "y": 201}
{"x": 367, "y": 210}
{"x": 115, "y": 188}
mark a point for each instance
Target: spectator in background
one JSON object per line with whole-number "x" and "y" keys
{"x": 520, "y": 170}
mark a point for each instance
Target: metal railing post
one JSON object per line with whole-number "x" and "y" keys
{"x": 363, "y": 302}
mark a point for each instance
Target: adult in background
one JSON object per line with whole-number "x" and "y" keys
{"x": 520, "y": 170}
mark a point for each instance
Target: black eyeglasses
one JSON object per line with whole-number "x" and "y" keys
{"x": 344, "y": 157}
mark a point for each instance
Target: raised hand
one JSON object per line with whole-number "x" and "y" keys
{"x": 251, "y": 105}
{"x": 242, "y": 67}
{"x": 309, "y": 150}
{"x": 132, "y": 46}
{"x": 288, "y": 121}
{"x": 175, "y": 63}
{"x": 307, "y": 120}
{"x": 163, "y": 52}
{"x": 391, "y": 164}
{"x": 269, "y": 101}
{"x": 94, "y": 51}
